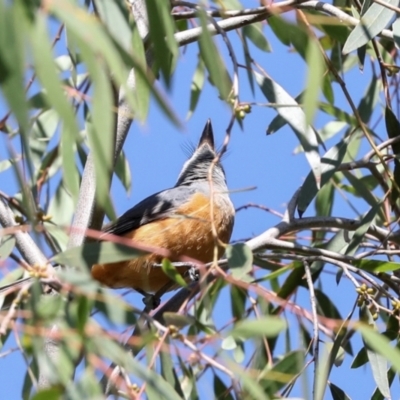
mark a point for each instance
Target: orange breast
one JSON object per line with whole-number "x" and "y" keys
{"x": 188, "y": 232}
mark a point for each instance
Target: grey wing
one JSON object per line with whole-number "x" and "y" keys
{"x": 155, "y": 207}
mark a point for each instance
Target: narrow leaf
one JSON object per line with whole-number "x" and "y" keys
{"x": 290, "y": 110}
{"x": 371, "y": 24}
{"x": 329, "y": 164}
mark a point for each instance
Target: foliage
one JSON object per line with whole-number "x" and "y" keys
{"x": 65, "y": 120}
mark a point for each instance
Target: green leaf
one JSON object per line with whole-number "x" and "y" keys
{"x": 92, "y": 32}
{"x": 285, "y": 370}
{"x": 49, "y": 307}
{"x": 264, "y": 326}
{"x": 380, "y": 344}
{"x": 393, "y": 130}
{"x": 109, "y": 349}
{"x": 7, "y": 244}
{"x": 96, "y": 253}
{"x": 196, "y": 86}
{"x": 371, "y": 24}
{"x": 168, "y": 372}
{"x": 316, "y": 68}
{"x": 337, "y": 393}
{"x": 359, "y": 234}
{"x": 101, "y": 122}
{"x": 213, "y": 60}
{"x": 360, "y": 359}
{"x": 12, "y": 62}
{"x": 240, "y": 259}
{"x": 115, "y": 15}
{"x": 379, "y": 372}
{"x": 221, "y": 391}
{"x": 329, "y": 164}
{"x": 53, "y": 393}
{"x": 376, "y": 265}
{"x": 162, "y": 36}
{"x": 123, "y": 171}
{"x": 178, "y": 320}
{"x": 290, "y": 110}
{"x": 46, "y": 72}
{"x": 255, "y": 34}
{"x": 170, "y": 270}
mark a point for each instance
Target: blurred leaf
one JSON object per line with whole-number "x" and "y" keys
{"x": 240, "y": 259}
{"x": 89, "y": 29}
{"x": 115, "y": 15}
{"x": 392, "y": 327}
{"x": 380, "y": 344}
{"x": 289, "y": 33}
{"x": 96, "y": 253}
{"x": 337, "y": 393}
{"x": 252, "y": 388}
{"x": 289, "y": 109}
{"x": 329, "y": 164}
{"x": 238, "y": 301}
{"x": 101, "y": 122}
{"x": 196, "y": 87}
{"x": 114, "y": 308}
{"x": 255, "y": 33}
{"x": 49, "y": 307}
{"x": 61, "y": 209}
{"x": 376, "y": 265}
{"x": 321, "y": 373}
{"x": 43, "y": 130}
{"x": 264, "y": 326}
{"x": 275, "y": 378}
{"x": 12, "y": 62}
{"x": 371, "y": 24}
{"x": 170, "y": 270}
{"x": 162, "y": 37}
{"x": 123, "y": 171}
{"x": 46, "y": 72}
{"x": 178, "y": 320}
{"x": 54, "y": 393}
{"x": 142, "y": 89}
{"x": 221, "y": 391}
{"x": 168, "y": 372}
{"x": 316, "y": 69}
{"x": 213, "y": 60}
{"x": 7, "y": 244}
{"x": 109, "y": 349}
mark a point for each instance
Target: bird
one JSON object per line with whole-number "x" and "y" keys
{"x": 178, "y": 219}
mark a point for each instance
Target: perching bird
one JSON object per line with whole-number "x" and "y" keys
{"x": 176, "y": 219}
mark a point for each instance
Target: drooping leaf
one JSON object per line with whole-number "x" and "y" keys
{"x": 329, "y": 163}
{"x": 213, "y": 61}
{"x": 289, "y": 109}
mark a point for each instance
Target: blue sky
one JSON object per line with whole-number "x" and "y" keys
{"x": 155, "y": 154}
